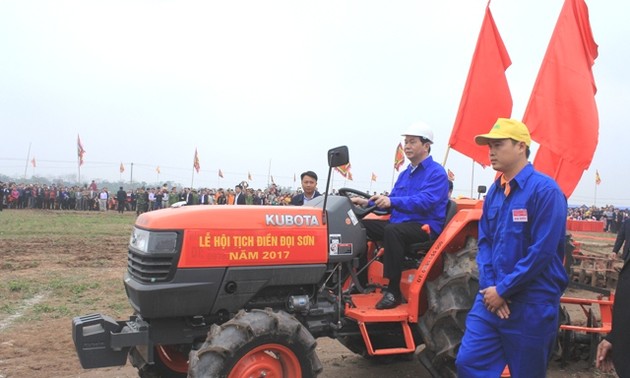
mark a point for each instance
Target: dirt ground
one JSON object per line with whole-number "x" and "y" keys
{"x": 41, "y": 346}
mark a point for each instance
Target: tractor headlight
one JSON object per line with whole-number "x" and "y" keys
{"x": 153, "y": 242}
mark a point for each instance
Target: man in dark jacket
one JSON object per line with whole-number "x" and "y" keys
{"x": 2, "y": 192}
{"x": 239, "y": 196}
{"x": 614, "y": 349}
{"x": 121, "y": 198}
{"x": 309, "y": 189}
{"x": 623, "y": 238}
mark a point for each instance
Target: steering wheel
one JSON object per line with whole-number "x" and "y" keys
{"x": 359, "y": 211}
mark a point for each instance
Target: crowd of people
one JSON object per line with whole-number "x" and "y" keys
{"x": 92, "y": 198}
{"x": 612, "y": 217}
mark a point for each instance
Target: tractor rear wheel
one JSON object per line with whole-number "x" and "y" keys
{"x": 259, "y": 343}
{"x": 450, "y": 297}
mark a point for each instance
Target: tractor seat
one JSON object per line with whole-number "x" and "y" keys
{"x": 418, "y": 250}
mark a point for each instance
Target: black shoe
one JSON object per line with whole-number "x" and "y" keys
{"x": 388, "y": 301}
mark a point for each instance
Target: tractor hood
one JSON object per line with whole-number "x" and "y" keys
{"x": 226, "y": 236}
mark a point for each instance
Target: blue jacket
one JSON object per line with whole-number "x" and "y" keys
{"x": 521, "y": 239}
{"x": 421, "y": 196}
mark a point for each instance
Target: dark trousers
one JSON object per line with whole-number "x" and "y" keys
{"x": 396, "y": 238}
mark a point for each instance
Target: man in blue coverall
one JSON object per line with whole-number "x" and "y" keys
{"x": 417, "y": 204}
{"x": 514, "y": 319}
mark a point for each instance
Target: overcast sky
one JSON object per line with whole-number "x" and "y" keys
{"x": 270, "y": 86}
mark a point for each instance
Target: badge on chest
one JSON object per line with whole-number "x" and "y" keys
{"x": 519, "y": 215}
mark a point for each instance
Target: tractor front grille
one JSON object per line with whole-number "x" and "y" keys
{"x": 147, "y": 267}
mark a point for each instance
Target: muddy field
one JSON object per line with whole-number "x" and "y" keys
{"x": 47, "y": 278}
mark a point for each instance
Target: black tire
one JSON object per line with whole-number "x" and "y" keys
{"x": 162, "y": 367}
{"x": 450, "y": 297}
{"x": 249, "y": 332}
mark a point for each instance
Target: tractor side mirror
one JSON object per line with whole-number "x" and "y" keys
{"x": 338, "y": 156}
{"x": 481, "y": 189}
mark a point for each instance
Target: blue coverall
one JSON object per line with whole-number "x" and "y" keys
{"x": 521, "y": 252}
{"x": 419, "y": 197}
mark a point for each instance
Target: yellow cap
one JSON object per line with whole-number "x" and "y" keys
{"x": 506, "y": 129}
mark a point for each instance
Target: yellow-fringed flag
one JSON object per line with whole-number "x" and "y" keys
{"x": 80, "y": 150}
{"x": 344, "y": 170}
{"x": 399, "y": 158}
{"x": 157, "y": 169}
{"x": 196, "y": 162}
{"x": 598, "y": 180}
{"x": 373, "y": 176}
{"x": 122, "y": 168}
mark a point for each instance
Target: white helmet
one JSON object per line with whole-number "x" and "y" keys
{"x": 419, "y": 129}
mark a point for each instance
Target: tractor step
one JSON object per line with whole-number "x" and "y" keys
{"x": 366, "y": 313}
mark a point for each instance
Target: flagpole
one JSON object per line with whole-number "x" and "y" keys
{"x": 269, "y": 173}
{"x": 79, "y": 169}
{"x": 393, "y": 173}
{"x": 28, "y": 155}
{"x": 448, "y": 149}
{"x": 192, "y": 178}
{"x": 472, "y": 179}
{"x": 595, "y": 198}
{"x": 131, "y": 178}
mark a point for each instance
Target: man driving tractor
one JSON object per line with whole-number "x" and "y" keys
{"x": 418, "y": 208}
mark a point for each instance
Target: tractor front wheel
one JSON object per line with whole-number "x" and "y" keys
{"x": 259, "y": 343}
{"x": 171, "y": 361}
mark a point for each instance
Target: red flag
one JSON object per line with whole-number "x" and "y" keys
{"x": 122, "y": 168}
{"x": 598, "y": 180}
{"x": 34, "y": 163}
{"x": 220, "y": 173}
{"x": 562, "y": 107}
{"x": 451, "y": 175}
{"x": 157, "y": 169}
{"x": 344, "y": 170}
{"x": 486, "y": 94}
{"x": 249, "y": 176}
{"x": 399, "y": 158}
{"x": 196, "y": 162}
{"x": 80, "y": 150}
{"x": 373, "y": 176}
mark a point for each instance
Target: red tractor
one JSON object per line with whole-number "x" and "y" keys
{"x": 244, "y": 291}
